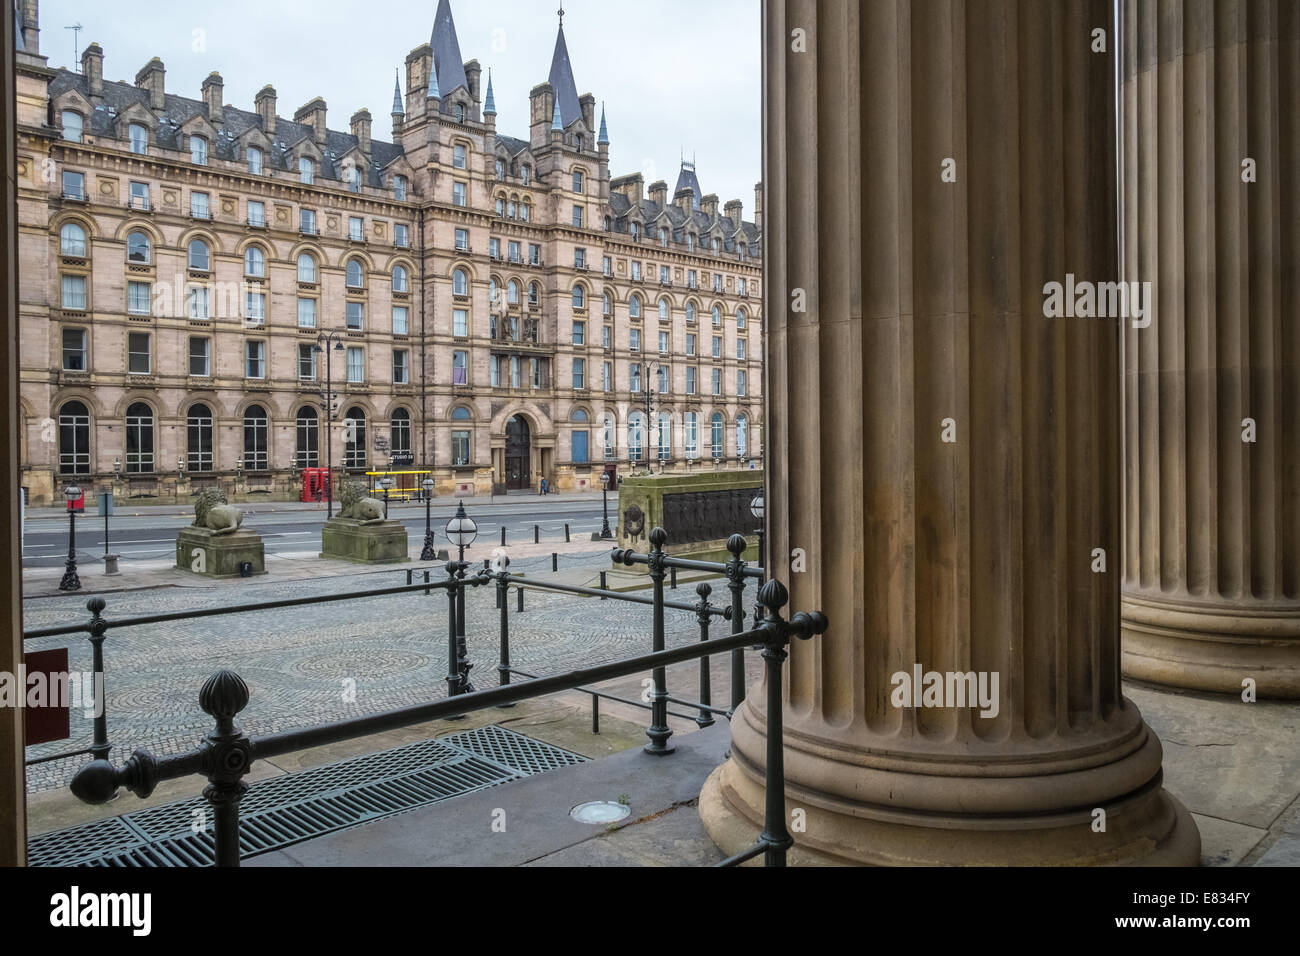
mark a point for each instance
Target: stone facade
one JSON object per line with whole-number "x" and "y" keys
{"x": 177, "y": 268}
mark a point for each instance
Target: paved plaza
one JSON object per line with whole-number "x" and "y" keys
{"x": 303, "y": 663}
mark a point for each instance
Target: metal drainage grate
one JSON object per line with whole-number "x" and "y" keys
{"x": 285, "y": 810}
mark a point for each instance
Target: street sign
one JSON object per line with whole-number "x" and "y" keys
{"x": 106, "y": 503}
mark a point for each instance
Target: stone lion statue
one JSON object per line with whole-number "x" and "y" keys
{"x": 357, "y": 506}
{"x": 212, "y": 512}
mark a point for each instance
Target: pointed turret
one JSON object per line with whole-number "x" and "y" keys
{"x": 562, "y": 82}
{"x": 398, "y": 109}
{"x": 557, "y": 126}
{"x": 603, "y": 139}
{"x": 490, "y": 107}
{"x": 448, "y": 72}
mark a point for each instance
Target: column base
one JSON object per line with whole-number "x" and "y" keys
{"x": 986, "y": 817}
{"x": 1212, "y": 647}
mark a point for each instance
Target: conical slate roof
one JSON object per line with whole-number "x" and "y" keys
{"x": 447, "y": 62}
{"x": 686, "y": 179}
{"x": 566, "y": 90}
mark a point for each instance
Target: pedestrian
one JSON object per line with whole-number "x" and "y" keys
{"x": 542, "y": 486}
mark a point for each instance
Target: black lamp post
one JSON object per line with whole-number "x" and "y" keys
{"x": 428, "y": 554}
{"x": 649, "y": 418}
{"x": 386, "y": 484}
{"x": 461, "y": 532}
{"x": 323, "y": 342}
{"x": 70, "y": 580}
{"x": 604, "y": 500}
{"x": 757, "y": 509}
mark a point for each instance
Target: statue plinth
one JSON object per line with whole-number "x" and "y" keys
{"x": 364, "y": 542}
{"x": 219, "y": 555}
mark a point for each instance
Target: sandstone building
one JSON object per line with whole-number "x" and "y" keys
{"x": 488, "y": 308}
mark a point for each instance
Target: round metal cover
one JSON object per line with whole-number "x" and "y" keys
{"x": 600, "y": 812}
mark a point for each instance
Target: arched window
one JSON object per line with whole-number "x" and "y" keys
{"x": 354, "y": 444}
{"x": 460, "y": 414}
{"x": 200, "y": 258}
{"x": 255, "y": 458}
{"x": 534, "y": 294}
{"x": 459, "y": 282}
{"x": 74, "y": 439}
{"x": 399, "y": 279}
{"x": 740, "y": 317}
{"x": 717, "y": 435}
{"x": 254, "y": 261}
{"x": 742, "y": 436}
{"x": 356, "y": 275}
{"x": 663, "y": 310}
{"x": 607, "y": 304}
{"x": 579, "y": 297}
{"x": 198, "y": 438}
{"x": 501, "y": 206}
{"x": 717, "y": 315}
{"x": 691, "y": 425}
{"x": 634, "y": 307}
{"x": 690, "y": 313}
{"x": 306, "y": 172}
{"x": 307, "y": 449}
{"x": 525, "y": 211}
{"x": 610, "y": 439}
{"x": 512, "y": 292}
{"x": 635, "y": 435}
{"x": 72, "y": 240}
{"x": 137, "y": 247}
{"x": 665, "y": 436}
{"x": 139, "y": 439}
{"x": 400, "y": 441}
{"x": 306, "y": 267}
{"x": 494, "y": 300}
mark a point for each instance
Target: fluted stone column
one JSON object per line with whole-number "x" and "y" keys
{"x": 1211, "y": 592}
{"x": 925, "y": 320}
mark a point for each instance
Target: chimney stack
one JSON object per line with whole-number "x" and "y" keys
{"x": 212, "y": 88}
{"x": 152, "y": 77}
{"x": 92, "y": 65}
{"x": 733, "y": 211}
{"x": 629, "y": 186}
{"x": 31, "y": 27}
{"x": 659, "y": 192}
{"x": 758, "y": 205}
{"x": 684, "y": 199}
{"x": 264, "y": 104}
{"x": 361, "y": 129}
{"x": 709, "y": 205}
{"x": 472, "y": 74}
{"x": 312, "y": 113}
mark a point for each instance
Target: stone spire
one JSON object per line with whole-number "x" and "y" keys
{"x": 490, "y": 106}
{"x": 562, "y": 82}
{"x": 398, "y": 109}
{"x": 603, "y": 139}
{"x": 557, "y": 126}
{"x": 448, "y": 66}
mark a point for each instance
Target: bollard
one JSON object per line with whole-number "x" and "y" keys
{"x": 110, "y": 564}
{"x": 705, "y": 719}
{"x": 426, "y": 581}
{"x": 659, "y": 731}
{"x": 503, "y": 536}
{"x": 555, "y": 561}
{"x": 537, "y": 535}
{"x": 503, "y": 605}
{"x": 566, "y": 532}
{"x": 521, "y": 598}
{"x": 673, "y": 578}
{"x": 409, "y": 572}
{"x": 604, "y": 585}
{"x": 595, "y": 714}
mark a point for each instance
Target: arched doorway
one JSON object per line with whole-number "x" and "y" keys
{"x": 518, "y": 455}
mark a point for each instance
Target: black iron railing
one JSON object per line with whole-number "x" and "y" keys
{"x": 225, "y": 756}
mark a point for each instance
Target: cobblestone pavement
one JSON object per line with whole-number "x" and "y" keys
{"x": 299, "y": 661}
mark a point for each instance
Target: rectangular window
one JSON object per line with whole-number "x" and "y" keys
{"x": 534, "y": 254}
{"x": 579, "y": 373}
{"x": 399, "y": 188}
{"x": 717, "y": 282}
{"x": 690, "y": 278}
{"x": 460, "y": 448}
{"x": 636, "y": 270}
{"x": 690, "y": 343}
{"x": 307, "y": 221}
{"x": 139, "y": 359}
{"x": 579, "y": 333}
{"x": 400, "y": 236}
{"x": 255, "y": 359}
{"x": 401, "y": 372}
{"x": 460, "y": 323}
{"x": 199, "y": 205}
{"x": 663, "y": 343}
{"x": 606, "y": 336}
{"x": 356, "y": 228}
{"x": 255, "y": 306}
{"x": 740, "y": 349}
{"x": 198, "y": 301}
{"x": 199, "y": 150}
{"x": 663, "y": 274}
{"x": 690, "y": 381}
{"x": 74, "y": 185}
{"x": 462, "y": 240}
{"x": 254, "y": 157}
{"x": 356, "y": 365}
{"x": 307, "y": 363}
{"x": 200, "y": 356}
{"x": 139, "y": 195}
{"x": 717, "y": 381}
{"x": 579, "y": 258}
{"x": 607, "y": 376}
{"x": 356, "y": 315}
{"x": 740, "y": 286}
{"x": 459, "y": 368}
{"x": 137, "y": 298}
{"x": 400, "y": 320}
{"x": 494, "y": 248}
{"x": 535, "y": 367}
{"x": 607, "y": 266}
{"x": 72, "y": 126}
{"x": 458, "y": 194}
{"x": 458, "y": 156}
{"x": 514, "y": 249}
{"x": 256, "y": 213}
{"x": 74, "y": 350}
{"x": 494, "y": 370}
{"x": 306, "y": 313}
{"x": 740, "y": 384}
{"x": 717, "y": 346}
{"x": 74, "y": 292}
{"x": 634, "y": 378}
{"x": 577, "y": 181}
{"x": 634, "y": 340}
{"x": 577, "y": 217}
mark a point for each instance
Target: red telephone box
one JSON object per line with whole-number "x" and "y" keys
{"x": 314, "y": 483}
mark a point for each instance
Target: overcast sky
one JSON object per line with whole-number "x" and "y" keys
{"x": 673, "y": 74}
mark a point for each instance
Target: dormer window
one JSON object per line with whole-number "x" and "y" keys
{"x": 527, "y": 172}
{"x": 399, "y": 188}
{"x": 72, "y": 126}
{"x": 501, "y": 169}
{"x": 306, "y": 173}
{"x": 636, "y": 230}
{"x": 460, "y": 112}
{"x": 139, "y": 136}
{"x": 353, "y": 177}
{"x": 254, "y": 157}
{"x": 663, "y": 237}
{"x": 577, "y": 142}
{"x": 198, "y": 150}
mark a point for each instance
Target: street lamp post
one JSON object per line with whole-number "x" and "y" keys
{"x": 70, "y": 580}
{"x": 386, "y": 484}
{"x": 604, "y": 500}
{"x": 649, "y": 418}
{"x": 428, "y": 554}
{"x": 323, "y": 342}
{"x": 461, "y": 532}
{"x": 757, "y": 509}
